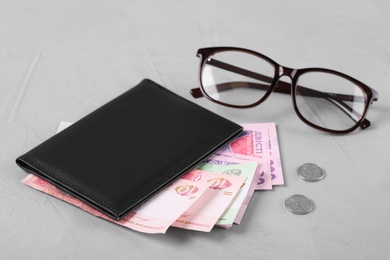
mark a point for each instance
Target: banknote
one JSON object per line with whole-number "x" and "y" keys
{"x": 264, "y": 180}
{"x": 270, "y": 141}
{"x": 243, "y": 146}
{"x": 157, "y": 214}
{"x": 252, "y": 170}
{"x": 206, "y": 211}
{"x": 259, "y": 140}
{"x": 154, "y": 216}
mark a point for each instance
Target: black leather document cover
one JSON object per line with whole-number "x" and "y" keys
{"x": 126, "y": 151}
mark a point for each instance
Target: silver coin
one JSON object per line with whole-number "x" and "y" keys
{"x": 299, "y": 204}
{"x": 310, "y": 172}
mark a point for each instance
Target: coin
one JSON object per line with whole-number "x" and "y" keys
{"x": 299, "y": 204}
{"x": 310, "y": 172}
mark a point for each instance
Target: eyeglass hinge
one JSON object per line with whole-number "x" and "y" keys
{"x": 364, "y": 124}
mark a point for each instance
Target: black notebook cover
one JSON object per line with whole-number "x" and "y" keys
{"x": 123, "y": 153}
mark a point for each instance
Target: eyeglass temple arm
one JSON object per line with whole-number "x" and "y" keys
{"x": 284, "y": 87}
{"x": 351, "y": 113}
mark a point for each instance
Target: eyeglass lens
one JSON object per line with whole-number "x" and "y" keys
{"x": 336, "y": 104}
{"x": 236, "y": 71}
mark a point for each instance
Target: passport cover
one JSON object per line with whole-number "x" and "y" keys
{"x": 126, "y": 151}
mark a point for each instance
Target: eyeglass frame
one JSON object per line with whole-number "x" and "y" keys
{"x": 276, "y": 85}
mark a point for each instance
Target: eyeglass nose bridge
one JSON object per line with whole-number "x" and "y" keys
{"x": 285, "y": 71}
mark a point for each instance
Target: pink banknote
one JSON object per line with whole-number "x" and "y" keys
{"x": 206, "y": 211}
{"x": 245, "y": 195}
{"x": 271, "y": 142}
{"x": 259, "y": 140}
{"x": 154, "y": 216}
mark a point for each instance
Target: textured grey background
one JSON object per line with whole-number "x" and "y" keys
{"x": 60, "y": 60}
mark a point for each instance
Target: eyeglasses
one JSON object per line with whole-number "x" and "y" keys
{"x": 324, "y": 99}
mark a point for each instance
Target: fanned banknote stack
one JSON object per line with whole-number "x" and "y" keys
{"x": 214, "y": 194}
